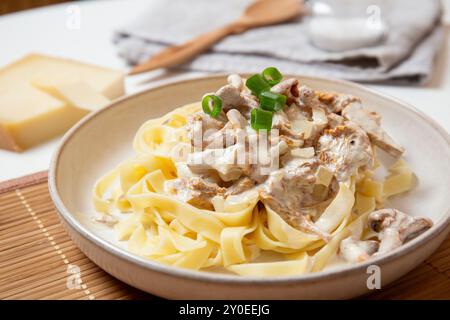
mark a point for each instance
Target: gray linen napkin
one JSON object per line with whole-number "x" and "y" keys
{"x": 406, "y": 54}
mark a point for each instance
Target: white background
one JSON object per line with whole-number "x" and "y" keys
{"x": 45, "y": 30}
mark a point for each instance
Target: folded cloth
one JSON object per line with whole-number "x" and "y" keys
{"x": 405, "y": 55}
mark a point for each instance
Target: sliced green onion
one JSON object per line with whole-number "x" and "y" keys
{"x": 272, "y": 101}
{"x": 261, "y": 119}
{"x": 272, "y": 75}
{"x": 212, "y": 105}
{"x": 257, "y": 84}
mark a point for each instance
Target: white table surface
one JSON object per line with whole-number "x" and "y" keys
{"x": 45, "y": 30}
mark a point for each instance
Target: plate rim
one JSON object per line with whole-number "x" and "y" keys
{"x": 155, "y": 266}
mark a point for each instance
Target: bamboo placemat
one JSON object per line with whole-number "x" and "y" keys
{"x": 38, "y": 260}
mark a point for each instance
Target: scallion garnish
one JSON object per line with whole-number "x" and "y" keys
{"x": 272, "y": 101}
{"x": 261, "y": 119}
{"x": 257, "y": 84}
{"x": 212, "y": 105}
{"x": 272, "y": 75}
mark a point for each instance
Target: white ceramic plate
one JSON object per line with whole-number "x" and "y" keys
{"x": 103, "y": 139}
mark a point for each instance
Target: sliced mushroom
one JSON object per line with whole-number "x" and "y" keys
{"x": 334, "y": 101}
{"x": 289, "y": 88}
{"x": 236, "y": 81}
{"x": 240, "y": 186}
{"x": 278, "y": 193}
{"x": 306, "y": 95}
{"x": 394, "y": 228}
{"x": 344, "y": 149}
{"x": 284, "y": 86}
{"x": 356, "y": 250}
{"x": 230, "y": 96}
{"x": 236, "y": 119}
{"x": 335, "y": 120}
{"x": 226, "y": 162}
{"x": 281, "y": 122}
{"x": 195, "y": 191}
{"x": 233, "y": 98}
{"x": 200, "y": 126}
{"x": 231, "y": 133}
{"x": 370, "y": 122}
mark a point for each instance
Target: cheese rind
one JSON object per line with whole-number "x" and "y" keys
{"x": 31, "y": 114}
{"x": 6, "y": 140}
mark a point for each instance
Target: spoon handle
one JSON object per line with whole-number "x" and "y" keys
{"x": 175, "y": 55}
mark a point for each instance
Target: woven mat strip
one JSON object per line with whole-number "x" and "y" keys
{"x": 38, "y": 260}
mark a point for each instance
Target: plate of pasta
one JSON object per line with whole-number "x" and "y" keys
{"x": 254, "y": 186}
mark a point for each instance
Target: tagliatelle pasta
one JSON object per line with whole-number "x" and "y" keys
{"x": 237, "y": 232}
{"x": 165, "y": 229}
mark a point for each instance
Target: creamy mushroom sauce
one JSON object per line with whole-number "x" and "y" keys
{"x": 319, "y": 132}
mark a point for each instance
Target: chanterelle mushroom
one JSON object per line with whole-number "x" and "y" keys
{"x": 288, "y": 87}
{"x": 201, "y": 126}
{"x": 233, "y": 98}
{"x": 370, "y": 123}
{"x": 340, "y": 133}
{"x": 344, "y": 149}
{"x": 236, "y": 81}
{"x": 334, "y": 101}
{"x": 289, "y": 205}
{"x": 357, "y": 251}
{"x": 236, "y": 119}
{"x": 395, "y": 228}
{"x": 195, "y": 191}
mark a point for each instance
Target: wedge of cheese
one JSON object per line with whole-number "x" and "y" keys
{"x": 77, "y": 94}
{"x": 42, "y": 96}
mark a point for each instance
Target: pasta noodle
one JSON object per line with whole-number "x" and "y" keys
{"x": 238, "y": 231}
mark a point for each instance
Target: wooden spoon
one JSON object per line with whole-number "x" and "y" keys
{"x": 258, "y": 14}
